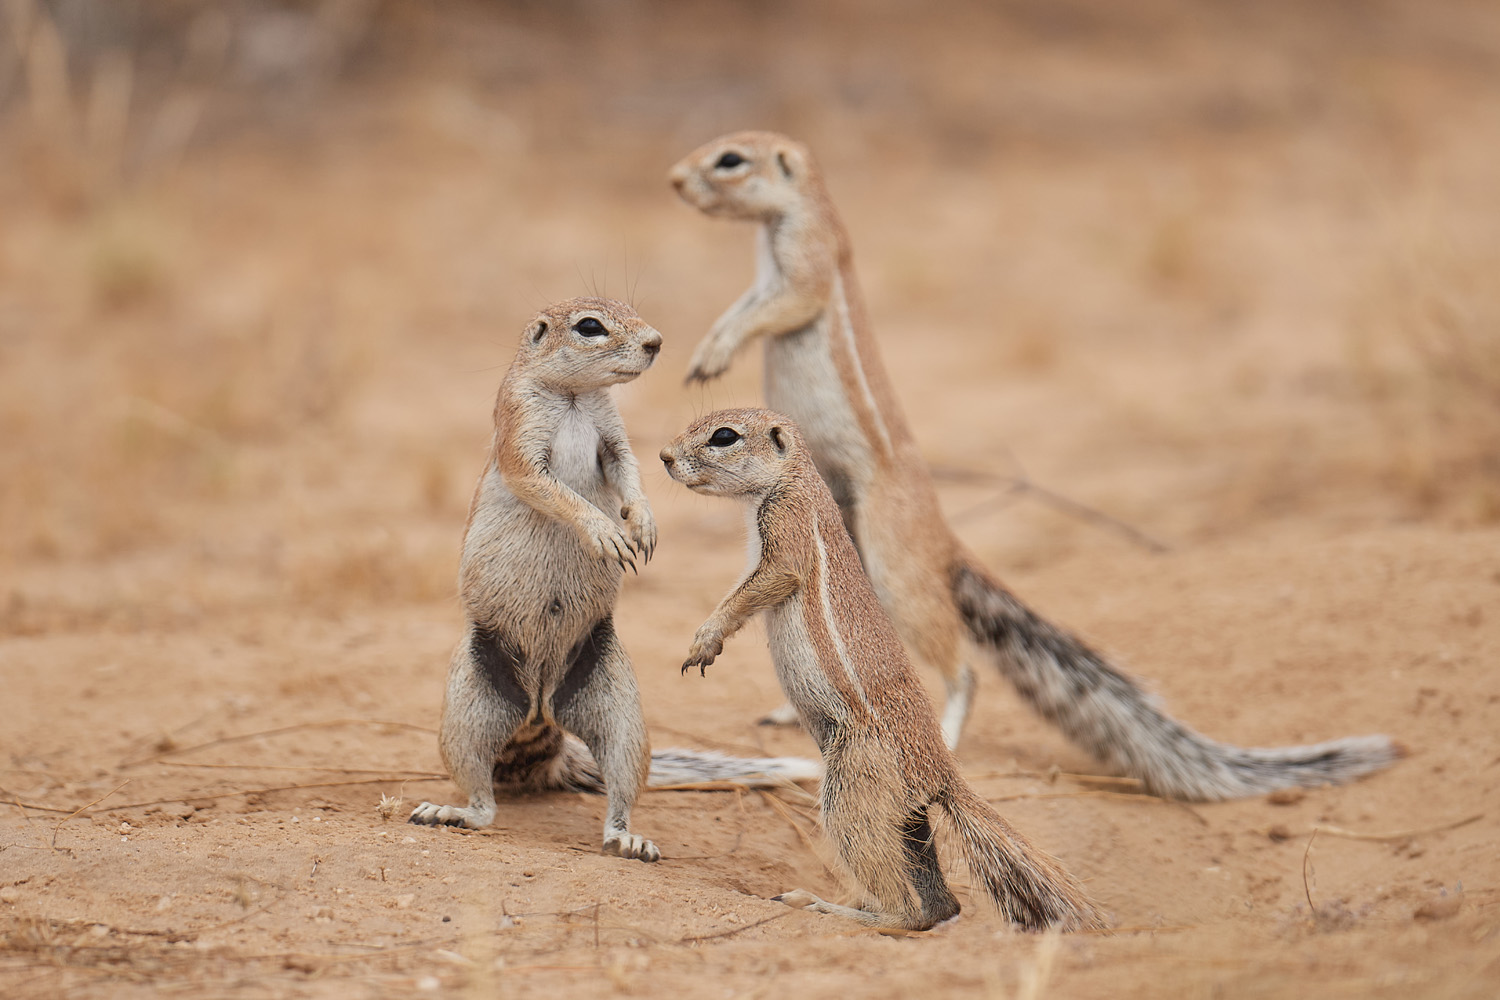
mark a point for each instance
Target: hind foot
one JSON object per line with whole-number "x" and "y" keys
{"x": 786, "y": 715}
{"x": 798, "y": 899}
{"x": 631, "y": 845}
{"x": 432, "y": 814}
{"x": 801, "y": 899}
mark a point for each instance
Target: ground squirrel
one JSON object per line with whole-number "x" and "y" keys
{"x": 823, "y": 369}
{"x": 543, "y": 558}
{"x": 843, "y": 667}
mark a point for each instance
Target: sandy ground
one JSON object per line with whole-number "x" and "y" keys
{"x": 1220, "y": 279}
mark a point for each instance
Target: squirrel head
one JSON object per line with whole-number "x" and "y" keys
{"x": 746, "y": 175}
{"x": 741, "y": 453}
{"x": 588, "y": 343}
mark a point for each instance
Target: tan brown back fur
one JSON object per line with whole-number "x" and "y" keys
{"x": 843, "y": 667}
{"x": 823, "y": 369}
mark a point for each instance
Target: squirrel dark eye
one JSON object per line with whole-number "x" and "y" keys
{"x": 590, "y": 327}
{"x": 724, "y": 437}
{"x": 728, "y": 161}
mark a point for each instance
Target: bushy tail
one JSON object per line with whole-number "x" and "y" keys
{"x": 1106, "y": 712}
{"x": 563, "y": 763}
{"x": 1031, "y": 889}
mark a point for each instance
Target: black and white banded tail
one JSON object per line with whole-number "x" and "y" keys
{"x": 1107, "y": 713}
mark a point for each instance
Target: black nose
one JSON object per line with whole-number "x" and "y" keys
{"x": 650, "y": 349}
{"x": 666, "y": 458}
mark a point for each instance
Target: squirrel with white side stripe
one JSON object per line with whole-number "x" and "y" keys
{"x": 822, "y": 368}
{"x": 842, "y": 665}
{"x": 557, "y": 516}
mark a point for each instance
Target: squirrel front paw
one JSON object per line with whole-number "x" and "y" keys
{"x": 706, "y": 647}
{"x": 641, "y": 527}
{"x": 611, "y": 544}
{"x": 711, "y": 359}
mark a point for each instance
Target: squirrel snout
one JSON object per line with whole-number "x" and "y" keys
{"x": 666, "y": 458}
{"x": 678, "y": 176}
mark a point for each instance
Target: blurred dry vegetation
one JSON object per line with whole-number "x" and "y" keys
{"x": 1210, "y": 262}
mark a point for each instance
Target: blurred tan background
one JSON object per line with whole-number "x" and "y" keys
{"x": 1225, "y": 272}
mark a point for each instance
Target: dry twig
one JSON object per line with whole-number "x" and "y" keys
{"x": 693, "y": 939}
{"x": 1020, "y": 485}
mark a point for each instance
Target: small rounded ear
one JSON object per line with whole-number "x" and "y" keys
{"x": 778, "y": 440}
{"x": 537, "y": 331}
{"x": 791, "y": 162}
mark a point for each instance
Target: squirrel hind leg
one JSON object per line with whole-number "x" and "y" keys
{"x": 889, "y": 879}
{"x": 599, "y": 702}
{"x": 883, "y": 842}
{"x": 484, "y": 708}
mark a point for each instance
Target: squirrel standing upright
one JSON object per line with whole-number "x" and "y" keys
{"x": 843, "y": 667}
{"x": 557, "y": 516}
{"x": 822, "y": 368}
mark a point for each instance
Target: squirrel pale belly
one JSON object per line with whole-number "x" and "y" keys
{"x": 540, "y": 692}
{"x": 843, "y": 667}
{"x": 822, "y": 368}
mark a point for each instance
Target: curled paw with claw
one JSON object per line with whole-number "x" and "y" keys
{"x": 706, "y": 647}
{"x": 611, "y": 544}
{"x": 641, "y": 528}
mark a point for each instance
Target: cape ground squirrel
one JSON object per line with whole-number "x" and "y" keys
{"x": 822, "y": 368}
{"x": 543, "y": 558}
{"x": 839, "y": 660}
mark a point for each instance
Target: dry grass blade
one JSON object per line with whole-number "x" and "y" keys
{"x": 299, "y": 727}
{"x": 701, "y": 786}
{"x": 406, "y": 775}
{"x": 23, "y": 806}
{"x": 1335, "y": 831}
{"x": 191, "y": 797}
{"x": 1020, "y": 486}
{"x": 1094, "y": 779}
{"x": 1097, "y": 793}
{"x": 731, "y": 931}
{"x": 1306, "y": 887}
{"x": 713, "y": 744}
{"x": 785, "y": 813}
{"x": 84, "y": 808}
